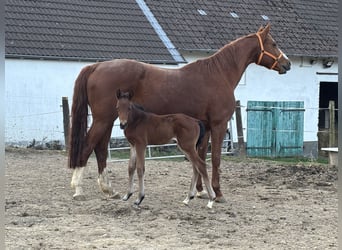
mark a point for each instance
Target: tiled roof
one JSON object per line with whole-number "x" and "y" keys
{"x": 301, "y": 27}
{"x": 102, "y": 30}
{"x": 95, "y": 30}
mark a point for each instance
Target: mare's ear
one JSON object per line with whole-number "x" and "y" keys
{"x": 264, "y": 31}
{"x": 118, "y": 93}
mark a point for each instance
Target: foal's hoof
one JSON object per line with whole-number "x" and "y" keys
{"x": 139, "y": 200}
{"x": 127, "y": 196}
{"x": 187, "y": 200}
{"x": 79, "y": 197}
{"x": 220, "y": 199}
{"x": 115, "y": 196}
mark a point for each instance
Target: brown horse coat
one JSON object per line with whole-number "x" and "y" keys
{"x": 203, "y": 89}
{"x": 143, "y": 128}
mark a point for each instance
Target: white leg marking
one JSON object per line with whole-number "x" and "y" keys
{"x": 210, "y": 204}
{"x": 76, "y": 183}
{"x": 186, "y": 201}
{"x": 192, "y": 190}
{"x": 104, "y": 183}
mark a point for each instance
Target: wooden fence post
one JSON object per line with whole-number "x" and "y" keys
{"x": 66, "y": 121}
{"x": 332, "y": 129}
{"x": 241, "y": 142}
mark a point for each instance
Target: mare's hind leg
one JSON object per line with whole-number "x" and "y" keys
{"x": 77, "y": 177}
{"x": 76, "y": 183}
{"x": 131, "y": 170}
{"x": 101, "y": 151}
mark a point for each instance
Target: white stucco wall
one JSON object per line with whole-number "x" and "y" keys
{"x": 301, "y": 83}
{"x": 33, "y": 96}
{"x": 34, "y": 91}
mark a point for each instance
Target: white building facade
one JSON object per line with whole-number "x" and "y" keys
{"x": 34, "y": 91}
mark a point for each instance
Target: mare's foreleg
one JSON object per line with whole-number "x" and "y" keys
{"x": 140, "y": 158}
{"x": 202, "y": 152}
{"x": 217, "y": 135}
{"x": 131, "y": 170}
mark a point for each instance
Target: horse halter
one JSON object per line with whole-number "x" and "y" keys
{"x": 263, "y": 52}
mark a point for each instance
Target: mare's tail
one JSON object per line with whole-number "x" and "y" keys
{"x": 79, "y": 118}
{"x": 201, "y": 134}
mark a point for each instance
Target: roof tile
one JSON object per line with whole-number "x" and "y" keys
{"x": 102, "y": 30}
{"x": 99, "y": 30}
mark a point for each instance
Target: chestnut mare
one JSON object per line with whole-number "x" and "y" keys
{"x": 143, "y": 128}
{"x": 203, "y": 89}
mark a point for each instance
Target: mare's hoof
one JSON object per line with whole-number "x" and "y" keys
{"x": 202, "y": 195}
{"x": 79, "y": 197}
{"x": 210, "y": 204}
{"x": 220, "y": 199}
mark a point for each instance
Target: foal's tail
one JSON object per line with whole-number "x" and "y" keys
{"x": 201, "y": 134}
{"x": 79, "y": 118}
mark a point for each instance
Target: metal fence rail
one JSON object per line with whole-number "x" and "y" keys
{"x": 227, "y": 148}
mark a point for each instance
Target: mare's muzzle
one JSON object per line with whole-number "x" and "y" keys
{"x": 285, "y": 67}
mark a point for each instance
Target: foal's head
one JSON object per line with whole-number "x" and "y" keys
{"x": 270, "y": 55}
{"x": 124, "y": 107}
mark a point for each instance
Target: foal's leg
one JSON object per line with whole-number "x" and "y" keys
{"x": 131, "y": 170}
{"x": 192, "y": 190}
{"x": 201, "y": 168}
{"x": 140, "y": 150}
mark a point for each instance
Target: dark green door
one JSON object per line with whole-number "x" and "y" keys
{"x": 275, "y": 128}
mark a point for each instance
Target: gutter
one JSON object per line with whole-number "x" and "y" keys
{"x": 82, "y": 59}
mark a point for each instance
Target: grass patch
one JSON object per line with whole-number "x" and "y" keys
{"x": 280, "y": 160}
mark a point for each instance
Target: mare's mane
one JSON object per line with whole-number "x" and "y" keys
{"x": 222, "y": 58}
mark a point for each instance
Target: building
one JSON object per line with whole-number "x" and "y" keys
{"x": 48, "y": 42}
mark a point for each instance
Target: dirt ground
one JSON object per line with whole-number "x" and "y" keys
{"x": 269, "y": 206}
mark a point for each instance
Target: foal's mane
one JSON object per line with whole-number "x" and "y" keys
{"x": 138, "y": 106}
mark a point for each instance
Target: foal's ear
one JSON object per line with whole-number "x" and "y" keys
{"x": 130, "y": 94}
{"x": 118, "y": 93}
